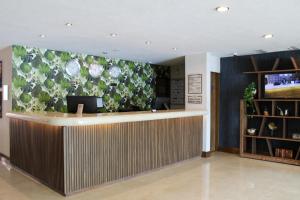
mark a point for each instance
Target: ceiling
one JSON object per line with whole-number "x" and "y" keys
{"x": 192, "y": 26}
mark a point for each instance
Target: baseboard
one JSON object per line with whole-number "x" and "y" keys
{"x": 230, "y": 150}
{"x": 4, "y": 156}
{"x": 205, "y": 154}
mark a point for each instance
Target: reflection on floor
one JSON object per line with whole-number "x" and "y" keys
{"x": 221, "y": 177}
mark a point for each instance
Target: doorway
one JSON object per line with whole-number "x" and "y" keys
{"x": 214, "y": 109}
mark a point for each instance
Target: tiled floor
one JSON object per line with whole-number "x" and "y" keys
{"x": 221, "y": 177}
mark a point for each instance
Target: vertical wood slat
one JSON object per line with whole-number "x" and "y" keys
{"x": 254, "y": 63}
{"x": 38, "y": 150}
{"x": 273, "y": 108}
{"x": 253, "y": 146}
{"x": 276, "y": 64}
{"x": 243, "y": 126}
{"x": 257, "y": 108}
{"x": 262, "y": 126}
{"x": 259, "y": 85}
{"x": 284, "y": 128}
{"x": 126, "y": 149}
{"x": 270, "y": 147}
{"x": 295, "y": 64}
{"x": 298, "y": 154}
{"x": 296, "y": 108}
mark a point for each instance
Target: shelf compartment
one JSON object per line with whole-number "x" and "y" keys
{"x": 270, "y": 116}
{"x": 272, "y": 138}
{"x": 272, "y": 159}
{"x": 277, "y": 100}
{"x": 273, "y": 71}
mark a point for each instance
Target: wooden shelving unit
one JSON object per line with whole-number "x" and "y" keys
{"x": 273, "y": 71}
{"x": 263, "y": 136}
{"x": 261, "y": 145}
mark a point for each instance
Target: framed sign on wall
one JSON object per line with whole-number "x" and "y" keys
{"x": 195, "y": 99}
{"x": 195, "y": 84}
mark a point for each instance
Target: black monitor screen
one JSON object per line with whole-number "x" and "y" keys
{"x": 91, "y": 103}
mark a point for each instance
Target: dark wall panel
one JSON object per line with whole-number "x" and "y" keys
{"x": 233, "y": 83}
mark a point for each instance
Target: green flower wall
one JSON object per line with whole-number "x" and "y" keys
{"x": 41, "y": 83}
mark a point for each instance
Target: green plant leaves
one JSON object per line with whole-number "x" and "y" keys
{"x": 89, "y": 60}
{"x": 50, "y": 55}
{"x": 102, "y": 85}
{"x": 25, "y": 67}
{"x": 25, "y": 98}
{"x": 65, "y": 56}
{"x": 19, "y": 51}
{"x": 49, "y": 83}
{"x": 84, "y": 72}
{"x": 249, "y": 94}
{"x": 43, "y": 97}
{"x": 44, "y": 68}
{"x": 19, "y": 82}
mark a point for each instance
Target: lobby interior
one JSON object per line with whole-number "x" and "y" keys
{"x": 149, "y": 100}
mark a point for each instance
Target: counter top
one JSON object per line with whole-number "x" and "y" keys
{"x": 66, "y": 119}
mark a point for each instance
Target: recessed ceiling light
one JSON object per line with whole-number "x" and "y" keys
{"x": 174, "y": 48}
{"x": 42, "y": 36}
{"x": 113, "y": 34}
{"x": 148, "y": 42}
{"x": 268, "y": 36}
{"x": 222, "y": 9}
{"x": 68, "y": 24}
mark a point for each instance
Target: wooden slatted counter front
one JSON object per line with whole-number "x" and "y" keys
{"x": 71, "y": 153}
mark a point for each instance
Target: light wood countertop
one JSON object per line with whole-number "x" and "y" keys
{"x": 67, "y": 119}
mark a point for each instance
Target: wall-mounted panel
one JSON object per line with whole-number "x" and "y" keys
{"x": 43, "y": 78}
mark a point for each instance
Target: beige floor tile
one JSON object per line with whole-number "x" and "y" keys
{"x": 221, "y": 177}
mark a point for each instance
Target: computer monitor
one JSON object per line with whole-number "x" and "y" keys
{"x": 91, "y": 103}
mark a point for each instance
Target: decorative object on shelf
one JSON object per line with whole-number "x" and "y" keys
{"x": 114, "y": 71}
{"x": 280, "y": 111}
{"x": 284, "y": 153}
{"x": 251, "y": 131}
{"x": 249, "y": 94}
{"x": 73, "y": 67}
{"x": 96, "y": 70}
{"x": 296, "y": 136}
{"x": 272, "y": 127}
{"x": 266, "y": 113}
{"x": 286, "y": 112}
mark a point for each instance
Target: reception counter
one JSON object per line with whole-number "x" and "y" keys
{"x": 71, "y": 153}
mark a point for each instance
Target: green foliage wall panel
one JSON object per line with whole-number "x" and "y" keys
{"x": 41, "y": 80}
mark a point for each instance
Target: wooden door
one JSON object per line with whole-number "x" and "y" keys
{"x": 214, "y": 108}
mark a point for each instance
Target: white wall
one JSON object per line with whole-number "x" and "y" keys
{"x": 6, "y": 58}
{"x": 204, "y": 64}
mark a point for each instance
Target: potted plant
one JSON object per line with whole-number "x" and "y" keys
{"x": 249, "y": 94}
